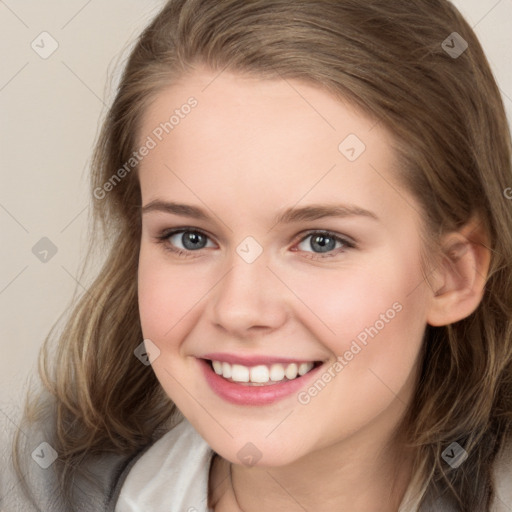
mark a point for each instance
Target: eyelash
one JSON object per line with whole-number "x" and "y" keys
{"x": 347, "y": 243}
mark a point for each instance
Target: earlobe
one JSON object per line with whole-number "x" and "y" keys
{"x": 460, "y": 277}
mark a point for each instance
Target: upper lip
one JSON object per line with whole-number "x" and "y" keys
{"x": 245, "y": 360}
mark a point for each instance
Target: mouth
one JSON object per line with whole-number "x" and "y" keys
{"x": 258, "y": 381}
{"x": 262, "y": 374}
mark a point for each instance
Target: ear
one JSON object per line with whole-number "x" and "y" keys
{"x": 458, "y": 282}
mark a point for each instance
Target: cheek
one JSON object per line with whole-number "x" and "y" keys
{"x": 377, "y": 310}
{"x": 167, "y": 293}
{"x": 347, "y": 303}
{"x": 169, "y": 303}
{"x": 378, "y": 325}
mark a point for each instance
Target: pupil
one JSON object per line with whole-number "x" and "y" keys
{"x": 193, "y": 240}
{"x": 322, "y": 243}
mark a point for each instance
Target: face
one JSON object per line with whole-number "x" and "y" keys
{"x": 275, "y": 242}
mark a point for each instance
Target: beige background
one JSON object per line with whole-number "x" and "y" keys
{"x": 50, "y": 110}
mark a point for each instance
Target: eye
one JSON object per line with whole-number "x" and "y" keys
{"x": 324, "y": 242}
{"x": 185, "y": 240}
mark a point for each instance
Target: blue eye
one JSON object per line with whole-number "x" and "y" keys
{"x": 190, "y": 240}
{"x": 323, "y": 243}
{"x": 186, "y": 240}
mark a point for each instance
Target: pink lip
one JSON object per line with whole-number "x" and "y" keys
{"x": 252, "y": 360}
{"x": 240, "y": 394}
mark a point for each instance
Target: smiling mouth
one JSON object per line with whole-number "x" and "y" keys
{"x": 261, "y": 375}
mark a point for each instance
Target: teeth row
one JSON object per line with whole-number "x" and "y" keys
{"x": 261, "y": 374}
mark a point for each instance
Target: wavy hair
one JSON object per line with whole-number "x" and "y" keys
{"x": 453, "y": 143}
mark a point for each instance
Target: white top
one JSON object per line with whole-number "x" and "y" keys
{"x": 172, "y": 476}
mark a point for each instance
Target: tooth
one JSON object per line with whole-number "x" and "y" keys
{"x": 291, "y": 371}
{"x": 304, "y": 368}
{"x": 259, "y": 374}
{"x": 276, "y": 372}
{"x": 226, "y": 370}
{"x": 239, "y": 373}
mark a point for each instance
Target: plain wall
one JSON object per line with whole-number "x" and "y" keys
{"x": 50, "y": 111}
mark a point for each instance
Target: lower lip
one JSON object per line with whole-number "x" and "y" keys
{"x": 241, "y": 394}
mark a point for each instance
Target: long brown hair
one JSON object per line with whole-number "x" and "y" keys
{"x": 453, "y": 141}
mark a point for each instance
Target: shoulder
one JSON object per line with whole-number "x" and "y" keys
{"x": 28, "y": 480}
{"x": 173, "y": 471}
{"x": 36, "y": 485}
{"x": 503, "y": 479}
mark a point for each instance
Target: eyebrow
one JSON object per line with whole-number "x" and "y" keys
{"x": 306, "y": 213}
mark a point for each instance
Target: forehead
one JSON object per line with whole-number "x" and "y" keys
{"x": 245, "y": 108}
{"x": 267, "y": 142}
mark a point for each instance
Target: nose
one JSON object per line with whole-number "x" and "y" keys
{"x": 249, "y": 300}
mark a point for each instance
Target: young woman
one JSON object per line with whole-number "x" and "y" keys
{"x": 307, "y": 301}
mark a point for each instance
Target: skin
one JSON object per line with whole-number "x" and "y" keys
{"x": 250, "y": 150}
